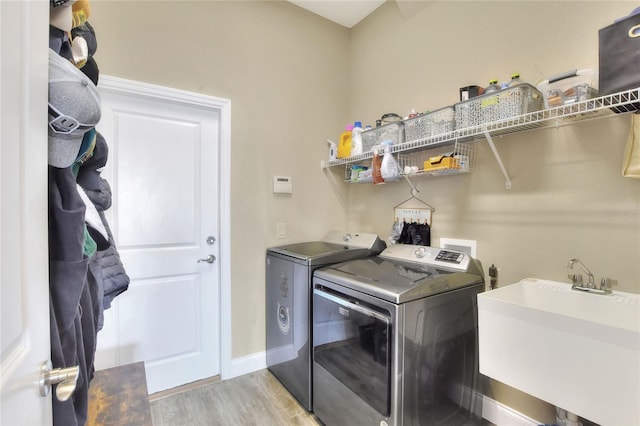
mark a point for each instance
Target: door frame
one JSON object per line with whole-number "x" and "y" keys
{"x": 223, "y": 106}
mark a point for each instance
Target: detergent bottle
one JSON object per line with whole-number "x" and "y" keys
{"x": 356, "y": 138}
{"x": 344, "y": 146}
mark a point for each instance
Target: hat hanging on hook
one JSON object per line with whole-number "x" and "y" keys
{"x": 61, "y": 15}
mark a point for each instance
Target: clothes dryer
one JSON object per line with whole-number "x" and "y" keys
{"x": 289, "y": 272}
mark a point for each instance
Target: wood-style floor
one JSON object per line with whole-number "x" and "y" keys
{"x": 253, "y": 399}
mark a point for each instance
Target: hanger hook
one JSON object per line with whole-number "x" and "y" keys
{"x": 414, "y": 190}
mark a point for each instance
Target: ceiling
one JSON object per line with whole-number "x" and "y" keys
{"x": 349, "y": 12}
{"x": 344, "y": 12}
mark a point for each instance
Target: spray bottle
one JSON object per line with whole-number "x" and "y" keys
{"x": 333, "y": 150}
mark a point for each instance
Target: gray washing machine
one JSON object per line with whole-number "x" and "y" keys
{"x": 395, "y": 339}
{"x": 289, "y": 272}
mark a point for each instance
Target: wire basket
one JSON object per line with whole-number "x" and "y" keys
{"x": 500, "y": 105}
{"x": 429, "y": 124}
{"x": 393, "y": 132}
{"x": 450, "y": 160}
{"x": 357, "y": 173}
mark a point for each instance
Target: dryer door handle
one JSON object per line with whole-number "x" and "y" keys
{"x": 350, "y": 305}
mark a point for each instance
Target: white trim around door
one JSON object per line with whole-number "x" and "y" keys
{"x": 224, "y": 108}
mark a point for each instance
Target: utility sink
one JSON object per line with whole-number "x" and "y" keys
{"x": 576, "y": 350}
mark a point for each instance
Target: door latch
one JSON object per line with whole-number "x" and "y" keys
{"x": 65, "y": 379}
{"x": 209, "y": 259}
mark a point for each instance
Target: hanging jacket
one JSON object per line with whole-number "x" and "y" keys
{"x": 105, "y": 266}
{"x": 72, "y": 322}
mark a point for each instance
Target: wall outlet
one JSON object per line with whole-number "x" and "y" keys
{"x": 281, "y": 230}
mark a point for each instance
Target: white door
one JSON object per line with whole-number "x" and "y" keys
{"x": 24, "y": 276}
{"x": 163, "y": 169}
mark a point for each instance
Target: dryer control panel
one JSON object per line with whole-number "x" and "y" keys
{"x": 353, "y": 239}
{"x": 428, "y": 255}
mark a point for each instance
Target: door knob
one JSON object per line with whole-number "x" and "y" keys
{"x": 209, "y": 259}
{"x": 65, "y": 378}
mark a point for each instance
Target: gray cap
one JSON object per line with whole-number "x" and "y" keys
{"x": 74, "y": 108}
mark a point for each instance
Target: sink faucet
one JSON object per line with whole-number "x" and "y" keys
{"x": 591, "y": 283}
{"x": 605, "y": 284}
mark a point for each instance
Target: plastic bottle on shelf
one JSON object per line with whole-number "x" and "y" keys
{"x": 390, "y": 169}
{"x": 333, "y": 150}
{"x": 515, "y": 79}
{"x": 492, "y": 87}
{"x": 376, "y": 164}
{"x": 356, "y": 138}
{"x": 344, "y": 147}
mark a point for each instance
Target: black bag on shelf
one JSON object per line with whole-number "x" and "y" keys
{"x": 619, "y": 58}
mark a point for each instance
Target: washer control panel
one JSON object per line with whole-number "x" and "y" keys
{"x": 428, "y": 255}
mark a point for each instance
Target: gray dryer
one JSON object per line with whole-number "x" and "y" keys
{"x": 289, "y": 272}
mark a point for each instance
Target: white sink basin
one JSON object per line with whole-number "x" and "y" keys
{"x": 576, "y": 350}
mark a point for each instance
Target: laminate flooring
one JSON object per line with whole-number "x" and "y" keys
{"x": 255, "y": 399}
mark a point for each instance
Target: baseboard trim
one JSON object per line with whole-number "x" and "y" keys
{"x": 501, "y": 415}
{"x": 245, "y": 365}
{"x": 184, "y": 388}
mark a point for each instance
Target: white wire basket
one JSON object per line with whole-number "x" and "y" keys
{"x": 500, "y": 105}
{"x": 429, "y": 124}
{"x": 450, "y": 160}
{"x": 393, "y": 132}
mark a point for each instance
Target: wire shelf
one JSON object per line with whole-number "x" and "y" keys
{"x": 589, "y": 109}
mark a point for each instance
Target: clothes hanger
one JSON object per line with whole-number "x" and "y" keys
{"x": 413, "y": 196}
{"x": 407, "y": 215}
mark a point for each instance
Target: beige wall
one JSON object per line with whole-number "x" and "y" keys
{"x": 295, "y": 79}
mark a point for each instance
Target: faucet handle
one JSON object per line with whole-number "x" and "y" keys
{"x": 575, "y": 278}
{"x": 607, "y": 283}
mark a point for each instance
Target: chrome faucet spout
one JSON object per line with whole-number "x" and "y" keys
{"x": 591, "y": 283}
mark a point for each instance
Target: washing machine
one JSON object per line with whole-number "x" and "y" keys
{"x": 289, "y": 272}
{"x": 395, "y": 339}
